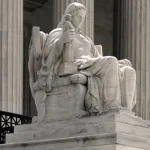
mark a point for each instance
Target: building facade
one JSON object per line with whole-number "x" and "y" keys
{"x": 120, "y": 26}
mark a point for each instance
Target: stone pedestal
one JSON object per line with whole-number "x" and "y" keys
{"x": 11, "y": 55}
{"x": 132, "y": 41}
{"x": 88, "y": 25}
{"x": 65, "y": 102}
{"x": 116, "y": 130}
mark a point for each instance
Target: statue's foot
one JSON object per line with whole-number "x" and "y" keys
{"x": 112, "y": 109}
{"x": 96, "y": 113}
{"x": 127, "y": 109}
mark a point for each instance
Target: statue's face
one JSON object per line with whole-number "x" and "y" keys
{"x": 78, "y": 18}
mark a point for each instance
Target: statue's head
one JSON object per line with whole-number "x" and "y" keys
{"x": 77, "y": 12}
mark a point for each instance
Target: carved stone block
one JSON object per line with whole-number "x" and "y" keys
{"x": 67, "y": 68}
{"x": 36, "y": 39}
{"x": 65, "y": 102}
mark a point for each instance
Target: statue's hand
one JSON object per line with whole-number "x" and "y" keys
{"x": 124, "y": 62}
{"x": 67, "y": 36}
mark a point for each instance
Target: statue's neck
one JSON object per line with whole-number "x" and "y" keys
{"x": 77, "y": 32}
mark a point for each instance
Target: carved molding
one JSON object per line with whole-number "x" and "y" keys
{"x": 32, "y": 5}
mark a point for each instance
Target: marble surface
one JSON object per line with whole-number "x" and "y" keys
{"x": 120, "y": 127}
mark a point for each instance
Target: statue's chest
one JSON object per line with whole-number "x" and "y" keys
{"x": 83, "y": 48}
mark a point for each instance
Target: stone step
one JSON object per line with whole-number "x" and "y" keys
{"x": 76, "y": 129}
{"x": 59, "y": 132}
{"x": 122, "y": 117}
{"x": 86, "y": 120}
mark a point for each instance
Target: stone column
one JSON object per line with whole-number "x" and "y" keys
{"x": 132, "y": 41}
{"x": 11, "y": 55}
{"x": 88, "y": 26}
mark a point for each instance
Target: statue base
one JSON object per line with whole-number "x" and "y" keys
{"x": 114, "y": 130}
{"x": 67, "y": 68}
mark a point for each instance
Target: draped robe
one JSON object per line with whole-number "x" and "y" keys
{"x": 103, "y": 73}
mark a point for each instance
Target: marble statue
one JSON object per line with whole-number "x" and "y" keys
{"x": 67, "y": 52}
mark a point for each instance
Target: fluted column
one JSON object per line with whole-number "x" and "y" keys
{"x": 133, "y": 42}
{"x": 88, "y": 26}
{"x": 11, "y": 55}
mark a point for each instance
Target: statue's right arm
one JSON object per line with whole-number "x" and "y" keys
{"x": 65, "y": 37}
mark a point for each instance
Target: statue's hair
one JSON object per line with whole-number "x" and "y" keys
{"x": 74, "y": 7}
{"x": 71, "y": 9}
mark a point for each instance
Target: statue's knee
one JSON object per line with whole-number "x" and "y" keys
{"x": 112, "y": 61}
{"x": 129, "y": 69}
